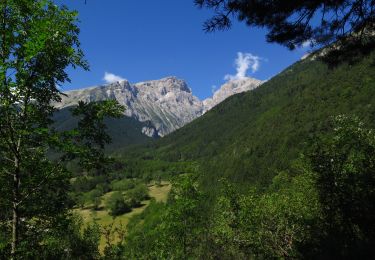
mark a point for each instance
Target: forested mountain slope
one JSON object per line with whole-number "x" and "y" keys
{"x": 162, "y": 106}
{"x": 250, "y": 136}
{"x": 124, "y": 131}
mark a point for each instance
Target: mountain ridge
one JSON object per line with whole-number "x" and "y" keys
{"x": 165, "y": 105}
{"x": 252, "y": 136}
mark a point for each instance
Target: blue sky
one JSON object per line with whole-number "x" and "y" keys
{"x": 152, "y": 39}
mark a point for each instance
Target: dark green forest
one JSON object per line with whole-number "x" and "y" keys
{"x": 124, "y": 131}
{"x": 251, "y": 136}
{"x": 284, "y": 171}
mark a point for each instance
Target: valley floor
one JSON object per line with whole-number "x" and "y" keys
{"x": 106, "y": 221}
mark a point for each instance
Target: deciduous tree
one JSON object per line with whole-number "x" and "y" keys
{"x": 344, "y": 164}
{"x": 39, "y": 40}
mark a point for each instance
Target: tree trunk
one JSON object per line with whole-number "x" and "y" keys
{"x": 16, "y": 217}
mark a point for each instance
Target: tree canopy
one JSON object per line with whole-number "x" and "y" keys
{"x": 39, "y": 40}
{"x": 295, "y": 23}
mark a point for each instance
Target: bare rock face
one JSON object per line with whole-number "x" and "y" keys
{"x": 167, "y": 104}
{"x": 149, "y": 131}
{"x": 164, "y": 105}
{"x": 230, "y": 88}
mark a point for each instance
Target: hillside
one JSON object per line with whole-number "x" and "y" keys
{"x": 250, "y": 136}
{"x": 166, "y": 103}
{"x": 124, "y": 131}
{"x": 156, "y": 107}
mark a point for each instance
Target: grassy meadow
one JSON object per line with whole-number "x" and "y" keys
{"x": 112, "y": 224}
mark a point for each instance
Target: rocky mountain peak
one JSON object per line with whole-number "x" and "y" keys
{"x": 230, "y": 88}
{"x": 165, "y": 104}
{"x": 164, "y": 85}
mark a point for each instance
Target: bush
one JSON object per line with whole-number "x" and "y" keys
{"x": 104, "y": 187}
{"x": 344, "y": 165}
{"x": 123, "y": 185}
{"x": 95, "y": 197}
{"x": 136, "y": 195}
{"x": 117, "y": 205}
{"x": 85, "y": 184}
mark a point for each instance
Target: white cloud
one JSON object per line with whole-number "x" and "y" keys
{"x": 308, "y": 44}
{"x": 111, "y": 78}
{"x": 244, "y": 62}
{"x": 213, "y": 88}
{"x": 305, "y": 56}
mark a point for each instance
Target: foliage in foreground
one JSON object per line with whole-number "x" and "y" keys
{"x": 39, "y": 41}
{"x": 347, "y": 23}
{"x": 344, "y": 164}
{"x": 322, "y": 207}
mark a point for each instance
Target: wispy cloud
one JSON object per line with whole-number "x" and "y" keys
{"x": 304, "y": 56}
{"x": 244, "y": 62}
{"x": 213, "y": 89}
{"x": 307, "y": 47}
{"x": 308, "y": 44}
{"x": 111, "y": 78}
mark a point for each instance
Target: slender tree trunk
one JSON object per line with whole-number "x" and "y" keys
{"x": 16, "y": 217}
{"x": 16, "y": 174}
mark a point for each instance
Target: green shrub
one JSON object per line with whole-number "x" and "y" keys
{"x": 85, "y": 183}
{"x": 123, "y": 185}
{"x": 344, "y": 164}
{"x": 137, "y": 195}
{"x": 95, "y": 197}
{"x": 117, "y": 205}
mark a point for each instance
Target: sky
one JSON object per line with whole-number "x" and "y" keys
{"x": 153, "y": 39}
